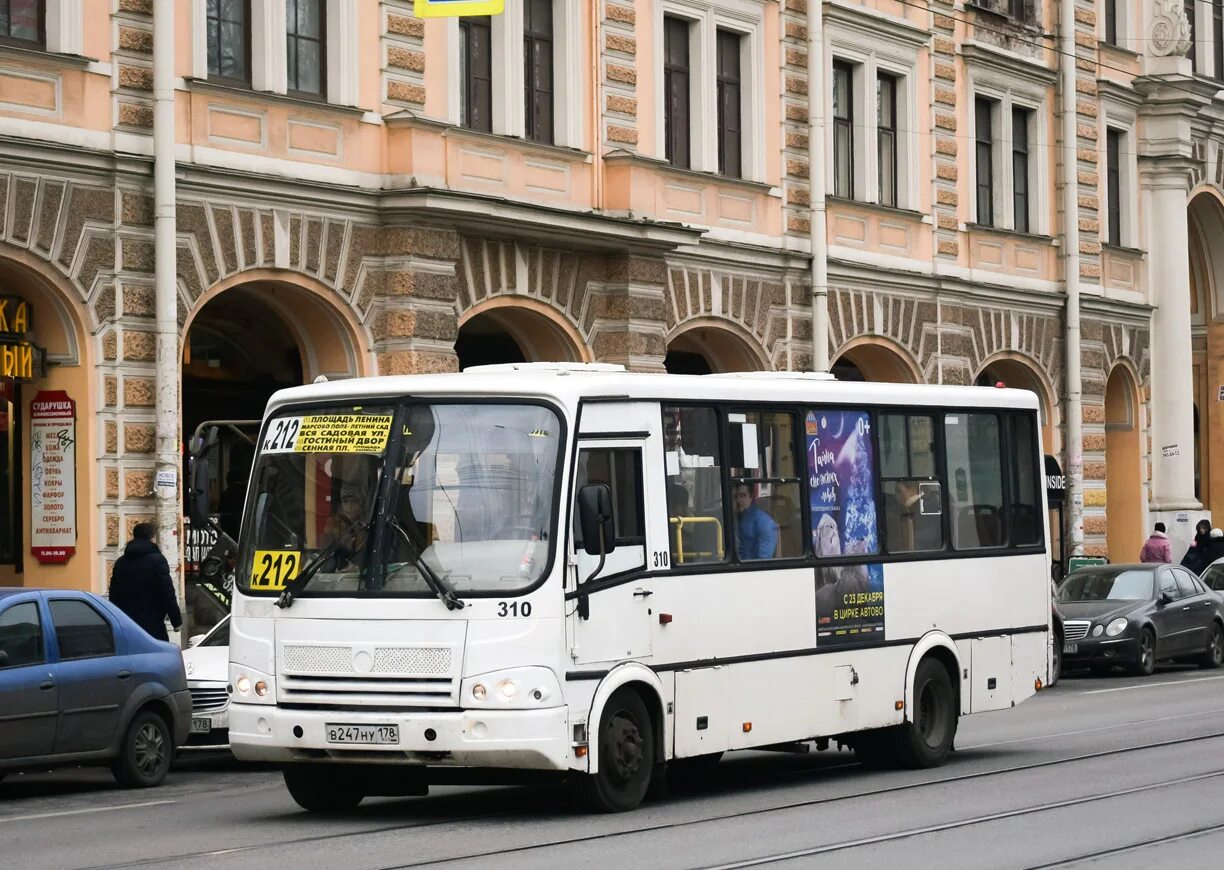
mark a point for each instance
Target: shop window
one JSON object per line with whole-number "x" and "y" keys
{"x": 10, "y": 475}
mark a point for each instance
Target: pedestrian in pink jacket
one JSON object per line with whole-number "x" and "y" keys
{"x": 1156, "y": 548}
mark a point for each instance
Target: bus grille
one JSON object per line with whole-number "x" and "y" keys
{"x": 1075, "y": 629}
{"x": 385, "y": 676}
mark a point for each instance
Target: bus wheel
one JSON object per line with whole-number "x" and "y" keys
{"x": 322, "y": 790}
{"x": 926, "y": 739}
{"x": 626, "y": 755}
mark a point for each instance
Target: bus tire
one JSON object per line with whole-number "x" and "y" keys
{"x": 926, "y": 739}
{"x": 320, "y": 789}
{"x": 626, "y": 755}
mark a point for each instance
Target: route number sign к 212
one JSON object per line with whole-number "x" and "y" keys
{"x": 457, "y": 8}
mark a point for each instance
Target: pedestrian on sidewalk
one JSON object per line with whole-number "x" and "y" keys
{"x": 1196, "y": 552}
{"x": 1156, "y": 548}
{"x": 141, "y": 585}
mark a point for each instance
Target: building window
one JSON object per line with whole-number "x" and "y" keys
{"x": 229, "y": 39}
{"x": 22, "y": 21}
{"x": 305, "y": 45}
{"x": 1113, "y": 186}
{"x": 730, "y": 126}
{"x": 1016, "y": 9}
{"x": 886, "y": 137}
{"x": 676, "y": 91}
{"x": 1021, "y": 118}
{"x": 1111, "y": 21}
{"x": 984, "y": 139}
{"x": 476, "y": 73}
{"x": 1217, "y": 27}
{"x": 538, "y": 69}
{"x": 843, "y": 130}
{"x": 1193, "y": 53}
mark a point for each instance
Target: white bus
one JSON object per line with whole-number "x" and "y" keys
{"x": 576, "y": 569}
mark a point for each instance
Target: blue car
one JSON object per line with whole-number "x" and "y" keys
{"x": 81, "y": 684}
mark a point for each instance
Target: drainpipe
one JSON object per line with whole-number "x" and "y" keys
{"x": 1071, "y": 265}
{"x": 167, "y": 371}
{"x": 816, "y": 177}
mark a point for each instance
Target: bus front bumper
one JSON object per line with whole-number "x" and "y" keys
{"x": 523, "y": 739}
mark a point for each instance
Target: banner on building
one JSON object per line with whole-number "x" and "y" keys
{"x": 458, "y": 8}
{"x": 53, "y": 529}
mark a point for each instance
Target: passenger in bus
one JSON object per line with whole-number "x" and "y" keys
{"x": 756, "y": 533}
{"x": 918, "y": 531}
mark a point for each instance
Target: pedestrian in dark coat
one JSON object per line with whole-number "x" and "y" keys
{"x": 141, "y": 585}
{"x": 1195, "y": 558}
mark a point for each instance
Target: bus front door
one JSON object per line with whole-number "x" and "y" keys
{"x": 610, "y": 622}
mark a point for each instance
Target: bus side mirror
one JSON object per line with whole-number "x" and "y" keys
{"x": 596, "y": 519}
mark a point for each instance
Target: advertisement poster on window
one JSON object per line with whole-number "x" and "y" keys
{"x": 841, "y": 475}
{"x": 53, "y": 529}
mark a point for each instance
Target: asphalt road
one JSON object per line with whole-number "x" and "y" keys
{"x": 1098, "y": 771}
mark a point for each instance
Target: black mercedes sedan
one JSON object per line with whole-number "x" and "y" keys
{"x": 1134, "y": 616}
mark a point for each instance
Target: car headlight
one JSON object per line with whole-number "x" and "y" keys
{"x": 1117, "y": 626}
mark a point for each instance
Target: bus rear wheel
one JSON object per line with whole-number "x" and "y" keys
{"x": 626, "y": 755}
{"x": 322, "y": 789}
{"x": 926, "y": 739}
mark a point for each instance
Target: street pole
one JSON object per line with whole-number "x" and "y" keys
{"x": 816, "y": 181}
{"x": 166, "y": 486}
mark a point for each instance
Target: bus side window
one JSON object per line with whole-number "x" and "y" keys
{"x": 912, "y": 493}
{"x": 765, "y": 486}
{"x": 974, "y": 446}
{"x": 621, "y": 469}
{"x": 696, "y": 513}
{"x": 1025, "y": 516}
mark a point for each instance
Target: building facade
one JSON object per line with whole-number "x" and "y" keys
{"x": 361, "y": 191}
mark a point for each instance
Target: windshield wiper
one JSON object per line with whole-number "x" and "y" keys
{"x": 437, "y": 583}
{"x": 298, "y": 583}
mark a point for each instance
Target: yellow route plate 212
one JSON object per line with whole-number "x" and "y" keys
{"x": 272, "y": 569}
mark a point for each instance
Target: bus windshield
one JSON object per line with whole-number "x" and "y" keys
{"x": 371, "y": 492}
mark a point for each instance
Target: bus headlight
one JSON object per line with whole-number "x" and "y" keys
{"x": 250, "y": 686}
{"x": 1117, "y": 627}
{"x": 243, "y": 685}
{"x": 514, "y": 688}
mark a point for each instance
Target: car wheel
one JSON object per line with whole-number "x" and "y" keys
{"x": 1056, "y": 663}
{"x": 626, "y": 755}
{"x": 1214, "y": 656}
{"x": 1145, "y": 657}
{"x": 322, "y": 789}
{"x": 146, "y": 752}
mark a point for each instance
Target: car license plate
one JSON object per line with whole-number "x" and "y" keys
{"x": 201, "y": 726}
{"x": 369, "y": 734}
{"x": 1070, "y": 649}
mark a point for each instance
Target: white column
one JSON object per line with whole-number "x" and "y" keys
{"x": 1172, "y": 366}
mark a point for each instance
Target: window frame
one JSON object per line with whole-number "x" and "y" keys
{"x": 40, "y": 41}
{"x": 59, "y": 648}
{"x": 843, "y": 128}
{"x": 247, "y": 31}
{"x": 887, "y": 131}
{"x": 677, "y": 138}
{"x": 467, "y": 81}
{"x": 1022, "y": 203}
{"x": 534, "y": 129}
{"x": 1119, "y": 114}
{"x": 985, "y": 112}
{"x": 726, "y": 81}
{"x": 1113, "y": 186}
{"x": 322, "y": 42}
{"x": 1110, "y": 36}
{"x": 1217, "y": 39}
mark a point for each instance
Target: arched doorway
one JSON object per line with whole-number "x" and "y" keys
{"x": 875, "y": 361}
{"x": 243, "y": 343}
{"x": 1206, "y": 231}
{"x": 515, "y": 331}
{"x": 1124, "y": 507}
{"x": 1019, "y": 374}
{"x": 52, "y": 321}
{"x": 705, "y": 347}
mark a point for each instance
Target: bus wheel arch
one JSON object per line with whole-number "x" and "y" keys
{"x": 942, "y": 648}
{"x": 649, "y": 687}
